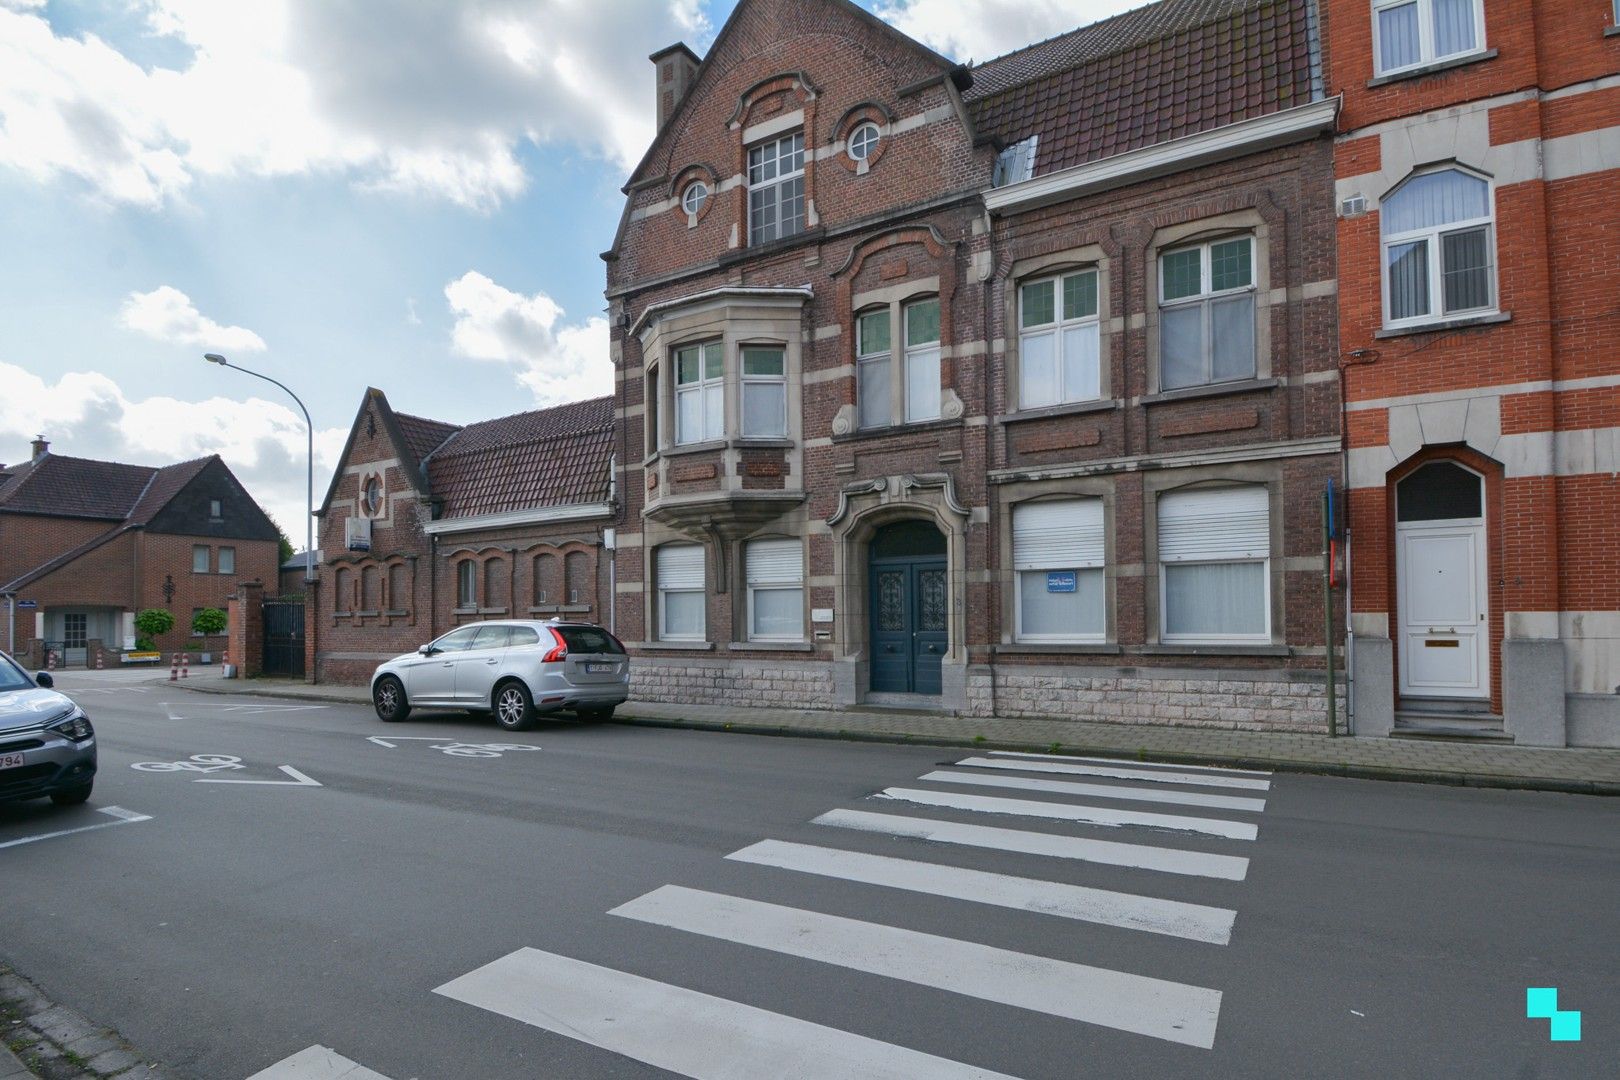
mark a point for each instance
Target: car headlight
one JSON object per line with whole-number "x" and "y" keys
{"x": 74, "y": 728}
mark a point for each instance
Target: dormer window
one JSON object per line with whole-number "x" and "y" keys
{"x": 1016, "y": 163}
{"x": 776, "y": 189}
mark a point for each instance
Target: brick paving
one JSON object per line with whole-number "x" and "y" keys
{"x": 1476, "y": 765}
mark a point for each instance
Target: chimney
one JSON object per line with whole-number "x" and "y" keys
{"x": 41, "y": 447}
{"x": 675, "y": 67}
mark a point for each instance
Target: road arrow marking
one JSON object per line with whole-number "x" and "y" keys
{"x": 298, "y": 780}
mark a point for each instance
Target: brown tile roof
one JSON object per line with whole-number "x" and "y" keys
{"x": 550, "y": 457}
{"x": 423, "y": 436}
{"x": 75, "y": 487}
{"x": 1145, "y": 77}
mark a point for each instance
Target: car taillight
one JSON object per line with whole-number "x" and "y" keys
{"x": 560, "y": 652}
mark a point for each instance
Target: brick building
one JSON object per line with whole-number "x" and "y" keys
{"x": 427, "y": 525}
{"x": 85, "y": 545}
{"x": 1478, "y": 162}
{"x": 1007, "y": 389}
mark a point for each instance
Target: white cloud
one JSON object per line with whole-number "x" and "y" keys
{"x": 437, "y": 99}
{"x": 168, "y": 315}
{"x": 981, "y": 29}
{"x": 87, "y": 415}
{"x": 556, "y": 361}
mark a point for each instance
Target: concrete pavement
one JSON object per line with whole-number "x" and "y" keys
{"x": 1580, "y": 771}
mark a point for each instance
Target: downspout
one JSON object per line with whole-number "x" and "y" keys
{"x": 433, "y": 586}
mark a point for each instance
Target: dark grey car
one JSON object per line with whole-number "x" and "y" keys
{"x": 47, "y": 746}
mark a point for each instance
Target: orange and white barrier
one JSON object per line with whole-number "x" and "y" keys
{"x": 174, "y": 666}
{"x": 185, "y": 665}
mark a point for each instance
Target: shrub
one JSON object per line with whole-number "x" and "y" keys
{"x": 154, "y": 622}
{"x": 208, "y": 620}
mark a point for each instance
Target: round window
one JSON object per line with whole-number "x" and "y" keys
{"x": 695, "y": 195}
{"x": 373, "y": 496}
{"x": 863, "y": 140}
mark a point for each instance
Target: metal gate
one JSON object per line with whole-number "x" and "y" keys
{"x": 284, "y": 637}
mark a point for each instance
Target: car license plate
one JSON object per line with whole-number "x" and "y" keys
{"x": 592, "y": 669}
{"x": 11, "y": 761}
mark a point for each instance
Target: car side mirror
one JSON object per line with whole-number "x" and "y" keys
{"x": 45, "y": 680}
{"x": 427, "y": 650}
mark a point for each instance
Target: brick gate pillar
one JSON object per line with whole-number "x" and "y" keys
{"x": 246, "y": 631}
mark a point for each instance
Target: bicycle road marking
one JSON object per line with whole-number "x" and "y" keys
{"x": 452, "y": 747}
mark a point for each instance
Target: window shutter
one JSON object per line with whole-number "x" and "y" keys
{"x": 1060, "y": 534}
{"x": 1215, "y": 525}
{"x": 775, "y": 562}
{"x": 680, "y": 566}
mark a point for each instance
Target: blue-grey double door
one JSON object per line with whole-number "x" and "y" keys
{"x": 908, "y": 632}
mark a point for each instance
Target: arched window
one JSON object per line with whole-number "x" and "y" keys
{"x": 1438, "y": 250}
{"x": 369, "y": 583}
{"x": 466, "y": 584}
{"x": 495, "y": 589}
{"x": 398, "y": 596}
{"x": 576, "y": 566}
{"x": 342, "y": 591}
{"x": 547, "y": 580}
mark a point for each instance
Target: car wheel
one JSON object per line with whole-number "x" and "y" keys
{"x": 72, "y": 796}
{"x": 599, "y": 715}
{"x": 514, "y": 707}
{"x": 388, "y": 698}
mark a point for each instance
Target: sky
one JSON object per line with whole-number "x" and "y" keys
{"x": 337, "y": 194}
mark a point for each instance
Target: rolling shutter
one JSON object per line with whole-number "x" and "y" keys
{"x": 1061, "y": 533}
{"x": 1215, "y": 525}
{"x": 775, "y": 562}
{"x": 680, "y": 566}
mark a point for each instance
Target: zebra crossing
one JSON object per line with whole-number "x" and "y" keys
{"x": 1066, "y": 801}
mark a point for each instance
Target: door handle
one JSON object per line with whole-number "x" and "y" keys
{"x": 933, "y": 648}
{"x": 492, "y": 660}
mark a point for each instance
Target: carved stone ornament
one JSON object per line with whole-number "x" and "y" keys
{"x": 844, "y": 422}
{"x": 950, "y": 405}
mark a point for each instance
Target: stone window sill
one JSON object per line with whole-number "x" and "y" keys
{"x": 675, "y": 646}
{"x": 396, "y": 614}
{"x": 912, "y": 428}
{"x": 558, "y": 609}
{"x": 1432, "y": 69}
{"x": 1079, "y": 648}
{"x": 492, "y": 611}
{"x": 1190, "y": 649}
{"x": 1446, "y": 324}
{"x": 342, "y": 614}
{"x": 368, "y": 614}
{"x": 762, "y": 442}
{"x": 770, "y": 646}
{"x": 1076, "y": 408}
{"x": 1612, "y": 31}
{"x": 464, "y": 611}
{"x": 694, "y": 448}
{"x": 1221, "y": 389}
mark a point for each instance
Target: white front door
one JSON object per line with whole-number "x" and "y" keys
{"x": 1444, "y": 640}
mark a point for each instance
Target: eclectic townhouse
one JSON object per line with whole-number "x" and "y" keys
{"x": 428, "y": 525}
{"x": 1006, "y": 389}
{"x": 1478, "y": 164}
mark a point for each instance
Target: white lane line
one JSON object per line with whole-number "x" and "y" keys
{"x": 1132, "y": 763}
{"x": 1099, "y": 791}
{"x": 1166, "y": 1010}
{"x": 1148, "y": 775}
{"x": 298, "y": 780}
{"x": 1110, "y": 852}
{"x": 1091, "y": 815}
{"x": 684, "y": 1031}
{"x": 1173, "y": 918}
{"x": 317, "y": 1063}
{"x": 124, "y": 817}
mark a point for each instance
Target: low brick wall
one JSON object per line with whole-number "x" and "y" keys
{"x": 691, "y": 681}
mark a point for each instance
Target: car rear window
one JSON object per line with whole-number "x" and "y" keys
{"x": 589, "y": 639}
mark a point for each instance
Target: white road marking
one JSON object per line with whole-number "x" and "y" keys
{"x": 1149, "y": 775}
{"x": 124, "y": 817}
{"x": 1157, "y": 1008}
{"x": 1100, "y": 791}
{"x": 684, "y": 1031}
{"x": 1092, "y": 815}
{"x": 452, "y": 748}
{"x": 1112, "y": 853}
{"x": 1132, "y": 763}
{"x": 1173, "y": 918}
{"x": 298, "y": 780}
{"x": 317, "y": 1063}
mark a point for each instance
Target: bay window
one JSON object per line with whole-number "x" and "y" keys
{"x": 776, "y": 189}
{"x": 681, "y": 596}
{"x": 775, "y": 573}
{"x": 764, "y": 392}
{"x": 1206, "y": 313}
{"x": 922, "y": 360}
{"x": 1438, "y": 246}
{"x": 1058, "y": 558}
{"x": 1214, "y": 559}
{"x": 1058, "y": 340}
{"x": 1412, "y": 33}
{"x": 700, "y": 395}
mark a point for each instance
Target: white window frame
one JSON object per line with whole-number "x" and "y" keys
{"x": 1169, "y": 637}
{"x": 1206, "y": 297}
{"x": 467, "y": 584}
{"x": 223, "y": 569}
{"x": 206, "y": 560}
{"x": 1058, "y": 330}
{"x": 697, "y": 192}
{"x": 768, "y": 157}
{"x": 666, "y": 587}
{"x": 1088, "y": 552}
{"x": 865, "y": 361}
{"x": 868, "y": 144}
{"x": 1426, "y": 46}
{"x": 922, "y": 353}
{"x": 759, "y": 581}
{"x": 710, "y": 391}
{"x": 1433, "y": 238}
{"x": 747, "y": 380}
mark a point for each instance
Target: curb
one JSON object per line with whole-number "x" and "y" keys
{"x": 41, "y": 1039}
{"x": 281, "y": 695}
{"x": 1346, "y": 770}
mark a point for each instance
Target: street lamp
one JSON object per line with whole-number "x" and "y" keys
{"x": 309, "y": 490}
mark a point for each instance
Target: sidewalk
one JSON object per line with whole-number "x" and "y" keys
{"x": 1592, "y": 772}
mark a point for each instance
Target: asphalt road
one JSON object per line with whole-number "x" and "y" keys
{"x": 576, "y": 910}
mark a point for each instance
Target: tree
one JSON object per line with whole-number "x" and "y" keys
{"x": 286, "y": 548}
{"x": 208, "y": 620}
{"x": 154, "y": 622}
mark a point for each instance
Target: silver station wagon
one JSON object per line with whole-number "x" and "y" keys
{"x": 517, "y": 671}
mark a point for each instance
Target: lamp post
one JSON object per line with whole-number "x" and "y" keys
{"x": 309, "y": 488}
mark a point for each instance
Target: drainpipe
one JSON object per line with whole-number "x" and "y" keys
{"x": 433, "y": 586}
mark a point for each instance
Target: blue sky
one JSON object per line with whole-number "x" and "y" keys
{"x": 406, "y": 196}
